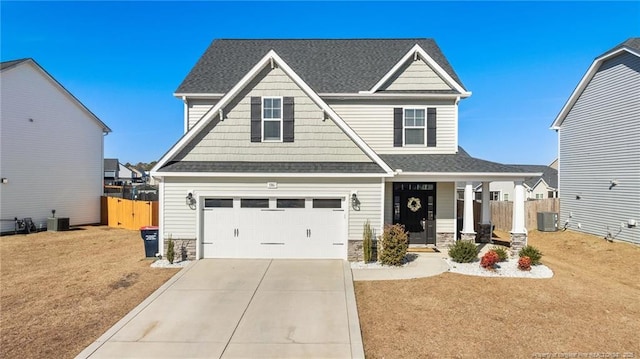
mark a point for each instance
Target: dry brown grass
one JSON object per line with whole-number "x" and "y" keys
{"x": 591, "y": 305}
{"x": 61, "y": 290}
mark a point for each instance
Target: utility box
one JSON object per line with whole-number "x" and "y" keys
{"x": 57, "y": 224}
{"x": 547, "y": 221}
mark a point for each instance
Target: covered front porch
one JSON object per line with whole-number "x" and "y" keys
{"x": 422, "y": 196}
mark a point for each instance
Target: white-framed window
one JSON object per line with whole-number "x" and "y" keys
{"x": 494, "y": 195}
{"x": 539, "y": 196}
{"x": 272, "y": 119}
{"x": 415, "y": 126}
{"x": 506, "y": 196}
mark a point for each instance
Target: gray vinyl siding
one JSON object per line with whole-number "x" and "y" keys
{"x": 316, "y": 138}
{"x": 445, "y": 210}
{"x": 415, "y": 75}
{"x": 599, "y": 141}
{"x": 50, "y": 152}
{"x": 196, "y": 108}
{"x": 373, "y": 122}
{"x": 179, "y": 221}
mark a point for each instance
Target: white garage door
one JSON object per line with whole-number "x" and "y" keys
{"x": 274, "y": 228}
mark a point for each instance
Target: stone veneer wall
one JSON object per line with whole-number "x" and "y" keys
{"x": 445, "y": 240}
{"x": 189, "y": 244}
{"x": 518, "y": 240}
{"x": 354, "y": 251}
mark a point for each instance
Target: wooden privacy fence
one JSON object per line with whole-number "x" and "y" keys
{"x": 128, "y": 214}
{"x": 502, "y": 212}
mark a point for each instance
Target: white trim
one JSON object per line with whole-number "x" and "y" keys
{"x": 204, "y": 121}
{"x": 185, "y": 114}
{"x": 161, "y": 217}
{"x": 262, "y": 119}
{"x": 383, "y": 206}
{"x": 424, "y": 56}
{"x": 261, "y": 175}
{"x": 586, "y": 79}
{"x": 383, "y": 95}
{"x": 423, "y": 127}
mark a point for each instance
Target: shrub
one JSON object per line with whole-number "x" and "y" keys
{"x": 170, "y": 251}
{"x": 502, "y": 253}
{"x": 367, "y": 242}
{"x": 524, "y": 263}
{"x": 463, "y": 251}
{"x": 532, "y": 252}
{"x": 489, "y": 259}
{"x": 394, "y": 242}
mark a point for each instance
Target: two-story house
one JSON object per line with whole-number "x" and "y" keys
{"x": 291, "y": 146}
{"x": 599, "y": 147}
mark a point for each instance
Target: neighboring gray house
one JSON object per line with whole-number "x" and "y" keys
{"x": 599, "y": 147}
{"x": 290, "y": 146}
{"x": 50, "y": 149}
{"x": 115, "y": 173}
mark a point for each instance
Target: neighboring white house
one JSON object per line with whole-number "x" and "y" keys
{"x": 599, "y": 147}
{"x": 51, "y": 149}
{"x": 115, "y": 173}
{"x": 539, "y": 187}
{"x": 290, "y": 146}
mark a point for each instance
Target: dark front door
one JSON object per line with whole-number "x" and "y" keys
{"x": 414, "y": 207}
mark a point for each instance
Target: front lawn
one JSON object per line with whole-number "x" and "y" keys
{"x": 59, "y": 291}
{"x": 590, "y": 307}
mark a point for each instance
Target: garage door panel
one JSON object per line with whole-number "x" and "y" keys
{"x": 275, "y": 232}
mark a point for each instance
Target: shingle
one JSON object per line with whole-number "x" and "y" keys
{"x": 632, "y": 43}
{"x": 272, "y": 167}
{"x": 111, "y": 164}
{"x": 449, "y": 163}
{"x": 328, "y": 66}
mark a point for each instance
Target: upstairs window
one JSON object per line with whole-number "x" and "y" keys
{"x": 414, "y": 126}
{"x": 272, "y": 119}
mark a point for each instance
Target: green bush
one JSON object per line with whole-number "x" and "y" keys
{"x": 367, "y": 242}
{"x": 463, "y": 251}
{"x": 394, "y": 242}
{"x": 532, "y": 252}
{"x": 502, "y": 253}
{"x": 171, "y": 254}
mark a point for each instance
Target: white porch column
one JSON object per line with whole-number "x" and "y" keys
{"x": 518, "y": 225}
{"x": 486, "y": 205}
{"x": 467, "y": 225}
{"x": 518, "y": 229}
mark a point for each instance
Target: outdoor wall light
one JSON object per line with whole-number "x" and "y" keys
{"x": 5, "y": 180}
{"x": 190, "y": 201}
{"x": 355, "y": 202}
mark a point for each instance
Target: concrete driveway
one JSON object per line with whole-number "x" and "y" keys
{"x": 232, "y": 308}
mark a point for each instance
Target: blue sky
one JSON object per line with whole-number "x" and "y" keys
{"x": 124, "y": 60}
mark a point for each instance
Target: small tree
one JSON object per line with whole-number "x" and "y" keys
{"x": 367, "y": 242}
{"x": 170, "y": 251}
{"x": 394, "y": 242}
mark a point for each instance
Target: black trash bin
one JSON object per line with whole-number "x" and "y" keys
{"x": 149, "y": 235}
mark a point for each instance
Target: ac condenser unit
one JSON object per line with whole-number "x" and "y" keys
{"x": 547, "y": 221}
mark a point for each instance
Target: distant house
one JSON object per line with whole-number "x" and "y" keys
{"x": 538, "y": 187}
{"x": 115, "y": 173}
{"x": 50, "y": 149}
{"x": 599, "y": 147}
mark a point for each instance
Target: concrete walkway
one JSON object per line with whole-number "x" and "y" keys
{"x": 243, "y": 309}
{"x": 424, "y": 265}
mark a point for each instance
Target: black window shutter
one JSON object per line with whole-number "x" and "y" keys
{"x": 397, "y": 127}
{"x": 431, "y": 127}
{"x": 256, "y": 119}
{"x": 287, "y": 119}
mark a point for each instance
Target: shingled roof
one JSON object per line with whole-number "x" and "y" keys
{"x": 328, "y": 66}
{"x": 7, "y": 64}
{"x": 632, "y": 43}
{"x": 446, "y": 163}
